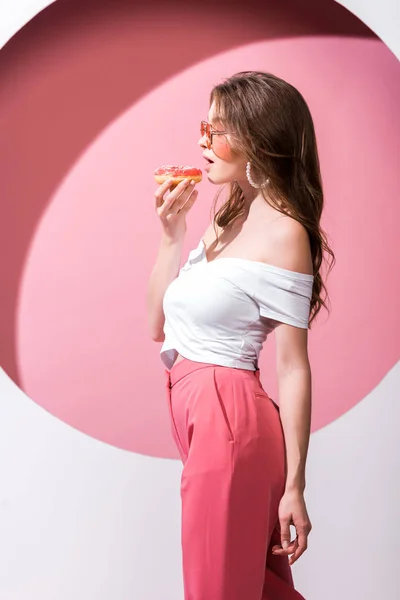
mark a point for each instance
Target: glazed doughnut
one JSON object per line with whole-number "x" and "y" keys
{"x": 178, "y": 173}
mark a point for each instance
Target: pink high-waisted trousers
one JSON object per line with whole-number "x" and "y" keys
{"x": 230, "y": 439}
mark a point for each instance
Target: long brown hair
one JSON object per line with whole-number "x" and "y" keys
{"x": 273, "y": 128}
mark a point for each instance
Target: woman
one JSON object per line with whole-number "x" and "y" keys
{"x": 256, "y": 270}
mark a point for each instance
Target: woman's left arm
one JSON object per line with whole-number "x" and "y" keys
{"x": 294, "y": 386}
{"x": 294, "y": 389}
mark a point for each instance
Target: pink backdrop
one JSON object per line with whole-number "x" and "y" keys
{"x": 81, "y": 234}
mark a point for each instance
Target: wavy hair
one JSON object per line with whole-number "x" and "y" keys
{"x": 273, "y": 128}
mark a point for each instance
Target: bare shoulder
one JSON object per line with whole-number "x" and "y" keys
{"x": 289, "y": 246}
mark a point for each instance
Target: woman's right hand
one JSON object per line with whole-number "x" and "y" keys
{"x": 172, "y": 207}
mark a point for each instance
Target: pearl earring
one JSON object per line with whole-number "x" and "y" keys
{"x": 250, "y": 179}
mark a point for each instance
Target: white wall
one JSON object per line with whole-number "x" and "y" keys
{"x": 382, "y": 17}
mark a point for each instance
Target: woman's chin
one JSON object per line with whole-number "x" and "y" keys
{"x": 218, "y": 179}
{"x": 212, "y": 179}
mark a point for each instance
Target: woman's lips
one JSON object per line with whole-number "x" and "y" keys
{"x": 209, "y": 162}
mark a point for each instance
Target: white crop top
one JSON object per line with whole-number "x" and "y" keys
{"x": 222, "y": 311}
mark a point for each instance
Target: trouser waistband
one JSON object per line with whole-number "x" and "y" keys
{"x": 186, "y": 367}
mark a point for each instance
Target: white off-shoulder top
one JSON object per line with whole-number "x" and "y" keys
{"x": 221, "y": 312}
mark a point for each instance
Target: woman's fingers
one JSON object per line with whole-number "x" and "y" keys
{"x": 173, "y": 202}
{"x": 284, "y": 552}
{"x": 183, "y": 198}
{"x": 160, "y": 191}
{"x": 168, "y": 199}
{"x": 189, "y": 202}
{"x": 181, "y": 195}
{"x": 285, "y": 532}
{"x": 301, "y": 544}
{"x": 296, "y": 548}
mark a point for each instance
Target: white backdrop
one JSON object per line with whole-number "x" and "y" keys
{"x": 75, "y": 524}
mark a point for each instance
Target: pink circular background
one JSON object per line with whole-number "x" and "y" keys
{"x": 83, "y": 348}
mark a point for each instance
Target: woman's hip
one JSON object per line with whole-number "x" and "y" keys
{"x": 207, "y": 396}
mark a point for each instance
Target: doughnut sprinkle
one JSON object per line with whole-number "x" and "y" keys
{"x": 178, "y": 173}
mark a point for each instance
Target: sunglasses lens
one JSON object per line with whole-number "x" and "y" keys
{"x": 218, "y": 143}
{"x": 221, "y": 148}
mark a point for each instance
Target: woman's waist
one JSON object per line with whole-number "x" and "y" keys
{"x": 187, "y": 366}
{"x": 170, "y": 354}
{"x": 245, "y": 349}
